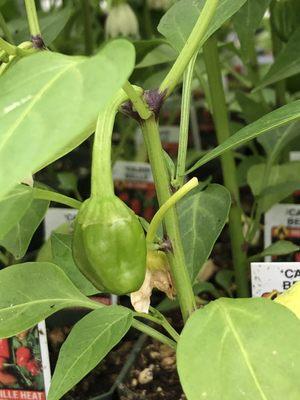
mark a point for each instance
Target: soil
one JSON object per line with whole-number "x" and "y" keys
{"x": 153, "y": 376}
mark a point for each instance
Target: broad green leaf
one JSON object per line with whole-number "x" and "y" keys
{"x": 275, "y": 194}
{"x": 17, "y": 240}
{"x": 202, "y": 216}
{"x": 62, "y": 256}
{"x": 67, "y": 181}
{"x": 286, "y": 64}
{"x": 143, "y": 47}
{"x": 237, "y": 349}
{"x": 246, "y": 21}
{"x": 31, "y": 292}
{"x": 160, "y": 55}
{"x": 178, "y": 22}
{"x": 282, "y": 116}
{"x": 45, "y": 114}
{"x": 87, "y": 344}
{"x": 280, "y": 248}
{"x": 13, "y": 206}
{"x": 51, "y": 25}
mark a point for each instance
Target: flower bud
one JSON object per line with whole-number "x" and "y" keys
{"x": 121, "y": 21}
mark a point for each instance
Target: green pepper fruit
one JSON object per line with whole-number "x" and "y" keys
{"x": 109, "y": 245}
{"x": 285, "y": 17}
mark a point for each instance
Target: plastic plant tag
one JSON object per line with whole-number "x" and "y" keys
{"x": 56, "y": 217}
{"x": 282, "y": 222}
{"x": 25, "y": 365}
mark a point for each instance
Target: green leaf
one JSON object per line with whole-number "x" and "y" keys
{"x": 17, "y": 240}
{"x": 202, "y": 216}
{"x": 246, "y": 21}
{"x": 244, "y": 166}
{"x": 252, "y": 109}
{"x": 51, "y": 101}
{"x": 282, "y": 116}
{"x": 226, "y": 352}
{"x": 275, "y": 141}
{"x": 87, "y": 344}
{"x": 178, "y": 22}
{"x": 13, "y": 206}
{"x": 286, "y": 64}
{"x": 67, "y": 181}
{"x": 280, "y": 248}
{"x": 51, "y": 25}
{"x": 31, "y": 292}
{"x": 143, "y": 47}
{"x": 62, "y": 256}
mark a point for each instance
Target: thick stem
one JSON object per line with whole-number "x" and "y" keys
{"x": 102, "y": 181}
{"x": 176, "y": 256}
{"x": 33, "y": 22}
{"x": 228, "y": 165}
{"x": 184, "y": 122}
{"x": 190, "y": 48}
{"x": 5, "y": 29}
{"x": 43, "y": 194}
{"x": 280, "y": 86}
{"x": 88, "y": 32}
{"x": 153, "y": 333}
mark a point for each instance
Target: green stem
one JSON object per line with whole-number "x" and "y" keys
{"x": 280, "y": 87}
{"x": 220, "y": 116}
{"x": 176, "y": 256}
{"x": 88, "y": 33}
{"x": 10, "y": 49}
{"x": 184, "y": 122}
{"x": 57, "y": 197}
{"x": 33, "y": 22}
{"x": 5, "y": 29}
{"x": 190, "y": 48}
{"x": 153, "y": 333}
{"x": 102, "y": 181}
{"x": 4, "y": 259}
{"x": 160, "y": 321}
{"x": 139, "y": 104}
{"x": 165, "y": 323}
{"x": 159, "y": 216}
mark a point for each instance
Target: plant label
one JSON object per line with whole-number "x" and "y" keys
{"x": 282, "y": 222}
{"x": 56, "y": 217}
{"x": 269, "y": 276}
{"x": 25, "y": 365}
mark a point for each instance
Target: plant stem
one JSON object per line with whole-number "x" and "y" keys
{"x": 5, "y": 29}
{"x": 102, "y": 181}
{"x": 9, "y": 49}
{"x": 175, "y": 256}
{"x": 153, "y": 333}
{"x": 277, "y": 46}
{"x": 57, "y": 197}
{"x": 228, "y": 165}
{"x": 184, "y": 122}
{"x": 191, "y": 46}
{"x": 88, "y": 33}
{"x": 160, "y": 321}
{"x": 165, "y": 323}
{"x": 159, "y": 216}
{"x": 139, "y": 104}
{"x": 33, "y": 22}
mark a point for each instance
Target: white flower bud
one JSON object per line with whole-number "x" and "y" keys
{"x": 121, "y": 21}
{"x": 47, "y": 5}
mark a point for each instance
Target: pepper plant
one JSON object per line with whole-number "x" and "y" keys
{"x": 49, "y": 104}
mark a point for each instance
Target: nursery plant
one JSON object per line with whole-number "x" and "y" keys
{"x": 51, "y": 102}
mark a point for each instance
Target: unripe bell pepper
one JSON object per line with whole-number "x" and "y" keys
{"x": 109, "y": 245}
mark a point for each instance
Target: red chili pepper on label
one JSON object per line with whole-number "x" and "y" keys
{"x": 4, "y": 348}
{"x": 7, "y": 379}
{"x": 23, "y": 355}
{"x": 33, "y": 367}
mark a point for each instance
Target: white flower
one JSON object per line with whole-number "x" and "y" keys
{"x": 159, "y": 4}
{"x": 121, "y": 21}
{"x": 46, "y": 5}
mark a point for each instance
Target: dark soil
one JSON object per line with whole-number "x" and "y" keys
{"x": 153, "y": 376}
